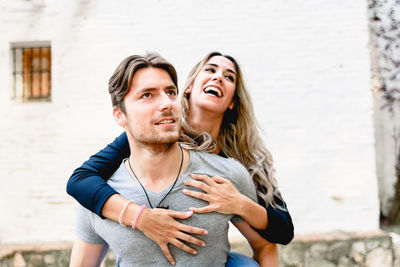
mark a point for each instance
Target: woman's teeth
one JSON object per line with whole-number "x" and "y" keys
{"x": 213, "y": 90}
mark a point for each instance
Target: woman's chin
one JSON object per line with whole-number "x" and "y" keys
{"x": 212, "y": 106}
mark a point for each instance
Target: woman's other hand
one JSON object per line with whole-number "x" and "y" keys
{"x": 220, "y": 193}
{"x": 160, "y": 226}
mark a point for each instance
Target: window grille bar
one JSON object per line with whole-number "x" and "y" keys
{"x": 41, "y": 73}
{"x": 23, "y": 71}
{"x": 31, "y": 74}
{"x": 14, "y": 71}
{"x": 49, "y": 63}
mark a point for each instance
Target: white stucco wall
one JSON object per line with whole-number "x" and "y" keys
{"x": 306, "y": 64}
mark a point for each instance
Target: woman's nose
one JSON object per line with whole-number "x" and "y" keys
{"x": 217, "y": 77}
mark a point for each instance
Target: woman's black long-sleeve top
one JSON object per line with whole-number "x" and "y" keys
{"x": 88, "y": 186}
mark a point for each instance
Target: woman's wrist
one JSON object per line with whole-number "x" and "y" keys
{"x": 243, "y": 205}
{"x": 130, "y": 214}
{"x": 123, "y": 210}
{"x": 252, "y": 212}
{"x": 135, "y": 221}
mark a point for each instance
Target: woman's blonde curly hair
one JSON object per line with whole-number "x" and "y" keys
{"x": 238, "y": 137}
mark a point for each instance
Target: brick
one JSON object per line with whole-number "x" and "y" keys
{"x": 379, "y": 257}
{"x": 18, "y": 260}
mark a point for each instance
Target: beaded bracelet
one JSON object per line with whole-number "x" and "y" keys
{"x": 123, "y": 211}
{"x": 134, "y": 222}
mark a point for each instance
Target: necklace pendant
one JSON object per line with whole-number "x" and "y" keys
{"x": 163, "y": 207}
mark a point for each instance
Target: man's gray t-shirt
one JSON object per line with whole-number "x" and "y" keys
{"x": 133, "y": 248}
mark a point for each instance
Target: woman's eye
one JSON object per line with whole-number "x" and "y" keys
{"x": 210, "y": 70}
{"x": 229, "y": 77}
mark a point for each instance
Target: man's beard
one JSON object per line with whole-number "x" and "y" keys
{"x": 156, "y": 143}
{"x": 159, "y": 144}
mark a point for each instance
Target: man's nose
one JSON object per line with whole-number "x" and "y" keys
{"x": 166, "y": 102}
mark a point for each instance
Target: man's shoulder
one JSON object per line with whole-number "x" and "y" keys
{"x": 224, "y": 166}
{"x": 119, "y": 174}
{"x": 215, "y": 158}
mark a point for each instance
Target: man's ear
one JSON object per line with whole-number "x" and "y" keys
{"x": 119, "y": 116}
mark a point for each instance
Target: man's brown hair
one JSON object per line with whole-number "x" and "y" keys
{"x": 120, "y": 81}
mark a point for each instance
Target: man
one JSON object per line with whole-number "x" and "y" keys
{"x": 145, "y": 99}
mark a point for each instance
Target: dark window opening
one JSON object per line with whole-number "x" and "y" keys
{"x": 31, "y": 72}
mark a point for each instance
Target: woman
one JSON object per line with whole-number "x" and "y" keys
{"x": 215, "y": 101}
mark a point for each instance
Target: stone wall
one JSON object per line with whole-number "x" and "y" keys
{"x": 372, "y": 249}
{"x": 35, "y": 255}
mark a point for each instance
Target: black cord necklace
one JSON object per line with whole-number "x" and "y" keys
{"x": 144, "y": 190}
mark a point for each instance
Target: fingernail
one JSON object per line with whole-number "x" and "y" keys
{"x": 203, "y": 244}
{"x": 205, "y": 232}
{"x": 185, "y": 181}
{"x": 189, "y": 213}
{"x": 184, "y": 190}
{"x": 195, "y": 252}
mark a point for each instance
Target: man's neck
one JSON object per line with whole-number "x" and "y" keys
{"x": 157, "y": 166}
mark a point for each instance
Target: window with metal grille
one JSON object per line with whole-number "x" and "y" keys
{"x": 31, "y": 71}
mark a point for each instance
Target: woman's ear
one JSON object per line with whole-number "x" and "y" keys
{"x": 231, "y": 105}
{"x": 119, "y": 116}
{"x": 188, "y": 90}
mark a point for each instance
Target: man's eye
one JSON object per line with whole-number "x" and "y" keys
{"x": 146, "y": 95}
{"x": 171, "y": 92}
